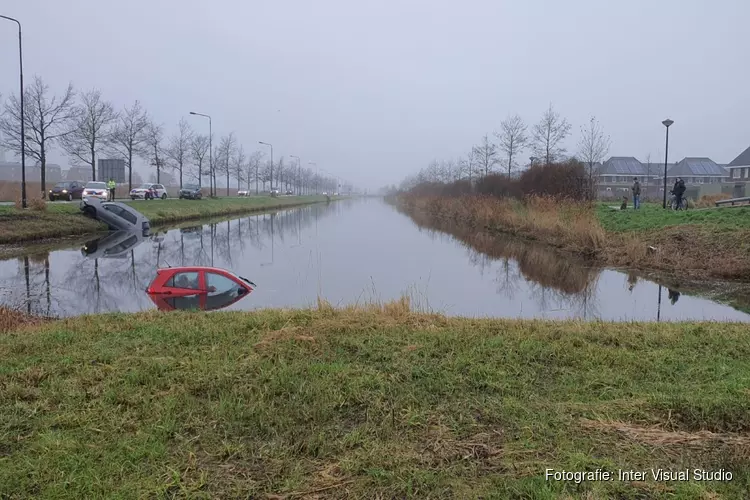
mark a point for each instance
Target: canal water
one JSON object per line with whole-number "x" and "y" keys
{"x": 347, "y": 252}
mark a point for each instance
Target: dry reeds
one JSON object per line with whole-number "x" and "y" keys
{"x": 563, "y": 223}
{"x": 12, "y": 319}
{"x": 36, "y": 204}
{"x": 709, "y": 200}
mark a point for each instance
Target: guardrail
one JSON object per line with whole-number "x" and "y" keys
{"x": 732, "y": 201}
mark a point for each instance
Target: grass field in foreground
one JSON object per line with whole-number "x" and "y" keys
{"x": 378, "y": 402}
{"x": 65, "y": 219}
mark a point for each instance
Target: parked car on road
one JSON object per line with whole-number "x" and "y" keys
{"x": 289, "y": 192}
{"x": 118, "y": 216}
{"x": 114, "y": 245}
{"x": 148, "y": 192}
{"x": 71, "y": 190}
{"x": 206, "y": 288}
{"x": 190, "y": 192}
{"x": 243, "y": 193}
{"x": 96, "y": 190}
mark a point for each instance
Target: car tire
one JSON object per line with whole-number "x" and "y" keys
{"x": 70, "y": 197}
{"x": 164, "y": 196}
{"x": 89, "y": 212}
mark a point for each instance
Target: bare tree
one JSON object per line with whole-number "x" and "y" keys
{"x": 467, "y": 165}
{"x": 548, "y": 135}
{"x": 91, "y": 129}
{"x": 253, "y": 169}
{"x": 45, "y": 121}
{"x": 178, "y": 150}
{"x": 486, "y": 155}
{"x": 223, "y": 160}
{"x": 593, "y": 146}
{"x": 155, "y": 150}
{"x": 198, "y": 152}
{"x": 129, "y": 137}
{"x": 279, "y": 168}
{"x": 265, "y": 173}
{"x": 512, "y": 139}
{"x": 238, "y": 165}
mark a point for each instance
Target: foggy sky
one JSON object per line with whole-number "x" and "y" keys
{"x": 372, "y": 91}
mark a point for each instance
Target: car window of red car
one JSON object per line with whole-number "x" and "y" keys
{"x": 188, "y": 280}
{"x": 218, "y": 284}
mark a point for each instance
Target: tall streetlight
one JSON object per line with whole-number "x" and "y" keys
{"x": 532, "y": 159}
{"x": 667, "y": 123}
{"x": 210, "y": 154}
{"x": 316, "y": 176}
{"x": 299, "y": 174}
{"x": 23, "y": 131}
{"x": 271, "y": 146}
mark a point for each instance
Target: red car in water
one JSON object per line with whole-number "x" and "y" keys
{"x": 204, "y": 288}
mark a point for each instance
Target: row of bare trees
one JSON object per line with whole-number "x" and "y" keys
{"x": 545, "y": 141}
{"x": 85, "y": 126}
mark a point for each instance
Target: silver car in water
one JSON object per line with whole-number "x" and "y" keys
{"x": 118, "y": 216}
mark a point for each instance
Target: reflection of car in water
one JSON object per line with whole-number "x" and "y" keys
{"x": 205, "y": 288}
{"x": 115, "y": 244}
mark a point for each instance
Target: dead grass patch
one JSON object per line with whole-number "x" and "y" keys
{"x": 657, "y": 436}
{"x": 12, "y": 319}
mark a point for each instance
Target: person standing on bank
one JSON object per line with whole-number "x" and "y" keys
{"x": 111, "y": 186}
{"x": 636, "y": 193}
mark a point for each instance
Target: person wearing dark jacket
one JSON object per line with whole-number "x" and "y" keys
{"x": 636, "y": 193}
{"x": 678, "y": 190}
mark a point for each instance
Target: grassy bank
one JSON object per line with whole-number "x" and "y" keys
{"x": 65, "y": 219}
{"x": 691, "y": 244}
{"x": 378, "y": 402}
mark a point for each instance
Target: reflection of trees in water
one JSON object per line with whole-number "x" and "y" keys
{"x": 556, "y": 282}
{"x": 30, "y": 290}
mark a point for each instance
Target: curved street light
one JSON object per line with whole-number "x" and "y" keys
{"x": 210, "y": 154}
{"x": 667, "y": 123}
{"x": 23, "y": 131}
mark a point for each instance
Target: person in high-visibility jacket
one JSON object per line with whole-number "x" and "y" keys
{"x": 111, "y": 185}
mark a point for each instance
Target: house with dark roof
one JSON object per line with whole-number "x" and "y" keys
{"x": 739, "y": 168}
{"x": 697, "y": 171}
{"x": 615, "y": 176}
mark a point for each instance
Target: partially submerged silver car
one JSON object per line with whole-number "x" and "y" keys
{"x": 118, "y": 216}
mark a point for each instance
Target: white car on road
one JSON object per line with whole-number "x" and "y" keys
{"x": 96, "y": 190}
{"x": 149, "y": 192}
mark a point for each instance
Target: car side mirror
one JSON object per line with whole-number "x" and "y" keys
{"x": 240, "y": 291}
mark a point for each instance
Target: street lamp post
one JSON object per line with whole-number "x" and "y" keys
{"x": 299, "y": 174}
{"x": 210, "y": 155}
{"x": 23, "y": 131}
{"x": 667, "y": 123}
{"x": 271, "y": 146}
{"x": 531, "y": 161}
